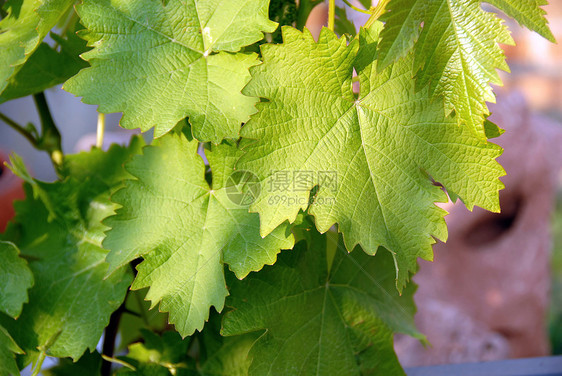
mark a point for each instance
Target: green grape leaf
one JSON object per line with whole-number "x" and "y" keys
{"x": 15, "y": 280}
{"x": 401, "y": 30}
{"x": 168, "y": 354}
{"x": 161, "y": 63}
{"x": 158, "y": 355}
{"x": 47, "y": 67}
{"x": 88, "y": 365}
{"x": 131, "y": 325}
{"x": 8, "y": 349}
{"x": 528, "y": 13}
{"x": 185, "y": 229}
{"x": 221, "y": 355}
{"x": 73, "y": 298}
{"x": 457, "y": 53}
{"x": 228, "y": 356}
{"x": 23, "y": 29}
{"x": 457, "y": 56}
{"x": 320, "y": 320}
{"x": 343, "y": 25}
{"x": 369, "y": 157}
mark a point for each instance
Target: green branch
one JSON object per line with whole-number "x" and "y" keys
{"x": 331, "y": 14}
{"x": 366, "y": 11}
{"x": 50, "y": 139}
{"x": 24, "y": 131}
{"x": 376, "y": 13}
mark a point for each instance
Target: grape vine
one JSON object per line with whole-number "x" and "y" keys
{"x": 273, "y": 221}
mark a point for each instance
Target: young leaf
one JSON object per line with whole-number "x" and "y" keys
{"x": 378, "y": 148}
{"x": 319, "y": 320}
{"x": 8, "y": 349}
{"x": 72, "y": 299}
{"x": 528, "y": 13}
{"x": 185, "y": 229}
{"x": 23, "y": 29}
{"x": 401, "y": 30}
{"x": 457, "y": 53}
{"x": 158, "y": 63}
{"x": 457, "y": 56}
{"x": 15, "y": 280}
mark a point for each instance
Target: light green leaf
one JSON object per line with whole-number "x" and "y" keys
{"x": 15, "y": 280}
{"x": 161, "y": 63}
{"x": 402, "y": 29}
{"x": 378, "y": 149}
{"x": 185, "y": 229}
{"x": 457, "y": 56}
{"x": 8, "y": 349}
{"x": 528, "y": 13}
{"x": 72, "y": 299}
{"x": 47, "y": 67}
{"x": 23, "y": 29}
{"x": 457, "y": 53}
{"x": 319, "y": 320}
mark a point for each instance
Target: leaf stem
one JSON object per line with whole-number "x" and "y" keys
{"x": 50, "y": 139}
{"x": 366, "y": 11}
{"x": 331, "y": 14}
{"x": 20, "y": 129}
{"x": 101, "y": 130}
{"x": 39, "y": 363}
{"x": 377, "y": 11}
{"x": 303, "y": 11}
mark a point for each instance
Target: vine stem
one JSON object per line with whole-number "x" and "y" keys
{"x": 109, "y": 339}
{"x": 369, "y": 11}
{"x": 50, "y": 139}
{"x": 101, "y": 130}
{"x": 39, "y": 363}
{"x": 20, "y": 129}
{"x": 331, "y": 14}
{"x": 377, "y": 11}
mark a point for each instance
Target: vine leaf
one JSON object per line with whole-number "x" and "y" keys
{"x": 528, "y": 13}
{"x": 167, "y": 355}
{"x": 457, "y": 53}
{"x": 88, "y": 365}
{"x": 185, "y": 229}
{"x": 15, "y": 280}
{"x": 320, "y": 320}
{"x": 47, "y": 67}
{"x": 23, "y": 29}
{"x": 71, "y": 300}
{"x": 401, "y": 30}
{"x": 8, "y": 349}
{"x": 378, "y": 149}
{"x": 161, "y": 63}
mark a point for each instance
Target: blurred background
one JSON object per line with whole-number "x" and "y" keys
{"x": 495, "y": 289}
